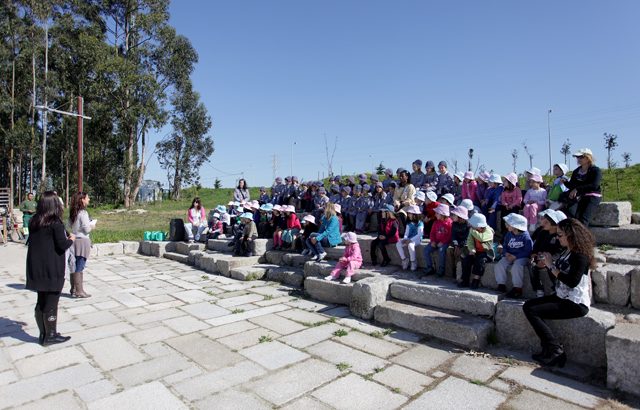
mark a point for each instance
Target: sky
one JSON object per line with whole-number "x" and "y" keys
{"x": 396, "y": 81}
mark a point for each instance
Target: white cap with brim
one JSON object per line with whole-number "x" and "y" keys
{"x": 478, "y": 221}
{"x": 581, "y": 152}
{"x": 517, "y": 221}
{"x": 495, "y": 178}
{"x": 556, "y": 216}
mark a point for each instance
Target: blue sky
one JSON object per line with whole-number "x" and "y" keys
{"x": 399, "y": 80}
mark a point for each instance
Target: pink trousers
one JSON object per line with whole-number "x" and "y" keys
{"x": 530, "y": 212}
{"x": 351, "y": 268}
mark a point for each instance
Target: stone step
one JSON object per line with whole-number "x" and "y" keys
{"x": 444, "y": 294}
{"x": 286, "y": 275}
{"x": 623, "y": 256}
{"x": 260, "y": 246}
{"x": 623, "y": 367}
{"x": 248, "y": 273}
{"x": 625, "y": 235}
{"x": 583, "y": 338}
{"x": 178, "y": 257}
{"x": 225, "y": 263}
{"x": 328, "y": 291}
{"x": 322, "y": 269}
{"x": 185, "y": 247}
{"x": 208, "y": 262}
{"x": 462, "y": 329}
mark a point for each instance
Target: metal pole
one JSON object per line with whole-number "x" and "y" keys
{"x": 549, "y": 129}
{"x": 80, "y": 144}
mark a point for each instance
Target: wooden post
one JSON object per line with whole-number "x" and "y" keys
{"x": 80, "y": 141}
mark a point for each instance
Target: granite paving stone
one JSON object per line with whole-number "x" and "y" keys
{"x": 49, "y": 361}
{"x": 96, "y": 390}
{"x": 456, "y": 394}
{"x": 310, "y": 336}
{"x": 423, "y": 358}
{"x": 113, "y": 352}
{"x": 205, "y": 352}
{"x": 150, "y": 370}
{"x": 370, "y": 344}
{"x": 476, "y": 368}
{"x": 530, "y": 400}
{"x": 353, "y": 391}
{"x": 64, "y": 400}
{"x": 233, "y": 399}
{"x": 230, "y": 329}
{"x": 278, "y": 324}
{"x": 336, "y": 353}
{"x": 294, "y": 381}
{"x": 303, "y": 316}
{"x": 247, "y": 339}
{"x": 405, "y": 380}
{"x": 151, "y": 335}
{"x": 186, "y": 324}
{"x": 205, "y": 310}
{"x": 147, "y": 396}
{"x": 273, "y": 355}
{"x": 306, "y": 403}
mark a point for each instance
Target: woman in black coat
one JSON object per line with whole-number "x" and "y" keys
{"x": 584, "y": 194}
{"x": 48, "y": 242}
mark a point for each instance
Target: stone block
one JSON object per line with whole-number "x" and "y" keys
{"x": 317, "y": 269}
{"x": 599, "y": 284}
{"x": 226, "y": 263}
{"x": 623, "y": 350}
{"x": 489, "y": 280}
{"x": 446, "y": 295}
{"x": 286, "y": 275}
{"x": 626, "y": 235}
{"x": 623, "y": 256}
{"x": 209, "y": 263}
{"x": 612, "y": 214}
{"x": 185, "y": 247}
{"x": 458, "y": 328}
{"x": 635, "y": 288}
{"x": 158, "y": 249}
{"x": 619, "y": 284}
{"x": 260, "y": 246}
{"x": 178, "y": 257}
{"x": 248, "y": 273}
{"x": 145, "y": 248}
{"x": 274, "y": 257}
{"x": 328, "y": 291}
{"x": 131, "y": 247}
{"x": 193, "y": 255}
{"x": 367, "y": 294}
{"x": 105, "y": 249}
{"x": 583, "y": 338}
{"x": 293, "y": 259}
{"x": 219, "y": 245}
{"x": 635, "y": 218}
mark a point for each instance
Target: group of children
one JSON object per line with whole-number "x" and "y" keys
{"x": 458, "y": 214}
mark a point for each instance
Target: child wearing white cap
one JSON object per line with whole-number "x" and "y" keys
{"x": 516, "y": 250}
{"x": 351, "y": 259}
{"x": 469, "y": 187}
{"x": 558, "y": 186}
{"x": 216, "y": 228}
{"x": 412, "y": 237}
{"x": 477, "y": 251}
{"x": 459, "y": 235}
{"x": 244, "y": 241}
{"x": 545, "y": 240}
{"x": 492, "y": 200}
{"x": 534, "y": 201}
{"x": 511, "y": 198}
{"x": 439, "y": 241}
{"x": 308, "y": 227}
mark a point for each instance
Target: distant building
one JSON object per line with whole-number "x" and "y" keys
{"x": 150, "y": 191}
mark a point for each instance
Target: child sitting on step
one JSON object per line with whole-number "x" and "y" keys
{"x": 351, "y": 260}
{"x": 293, "y": 227}
{"x": 516, "y": 251}
{"x": 439, "y": 240}
{"x": 412, "y": 237}
{"x": 476, "y": 252}
{"x": 244, "y": 243}
{"x": 459, "y": 235}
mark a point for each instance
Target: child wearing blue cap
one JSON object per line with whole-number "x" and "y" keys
{"x": 249, "y": 232}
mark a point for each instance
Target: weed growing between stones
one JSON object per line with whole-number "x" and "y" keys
{"x": 265, "y": 339}
{"x": 316, "y": 324}
{"x": 340, "y": 333}
{"x": 396, "y": 390}
{"x": 605, "y": 247}
{"x": 204, "y": 277}
{"x": 234, "y": 311}
{"x": 379, "y": 335}
{"x": 342, "y": 366}
{"x": 378, "y": 369}
{"x": 477, "y": 382}
{"x": 268, "y": 297}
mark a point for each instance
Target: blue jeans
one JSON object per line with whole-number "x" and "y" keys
{"x": 442, "y": 254}
{"x": 317, "y": 248}
{"x": 81, "y": 262}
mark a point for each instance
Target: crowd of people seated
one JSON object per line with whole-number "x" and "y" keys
{"x": 518, "y": 222}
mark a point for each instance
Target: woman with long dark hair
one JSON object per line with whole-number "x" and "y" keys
{"x": 81, "y": 225}
{"x": 48, "y": 242}
{"x": 572, "y": 298}
{"x": 241, "y": 193}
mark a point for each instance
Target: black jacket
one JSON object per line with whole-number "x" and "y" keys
{"x": 45, "y": 258}
{"x": 584, "y": 184}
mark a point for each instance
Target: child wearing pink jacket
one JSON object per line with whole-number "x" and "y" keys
{"x": 469, "y": 187}
{"x": 351, "y": 260}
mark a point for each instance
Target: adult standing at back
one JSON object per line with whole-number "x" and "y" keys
{"x": 81, "y": 225}
{"x": 48, "y": 242}
{"x": 28, "y": 208}
{"x": 584, "y": 193}
{"x": 241, "y": 193}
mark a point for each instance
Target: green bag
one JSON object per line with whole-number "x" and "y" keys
{"x": 158, "y": 236}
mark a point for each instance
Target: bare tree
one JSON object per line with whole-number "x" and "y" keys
{"x": 470, "y": 154}
{"x": 610, "y": 143}
{"x": 514, "y": 156}
{"x": 330, "y": 157}
{"x": 529, "y": 154}
{"x": 626, "y": 157}
{"x": 454, "y": 164}
{"x": 566, "y": 149}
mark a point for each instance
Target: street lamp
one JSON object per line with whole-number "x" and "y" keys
{"x": 549, "y": 129}
{"x": 291, "y": 169}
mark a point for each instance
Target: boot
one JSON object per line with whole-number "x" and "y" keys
{"x": 538, "y": 357}
{"x": 79, "y": 286}
{"x": 72, "y": 291}
{"x": 555, "y": 357}
{"x": 40, "y": 322}
{"x": 51, "y": 329}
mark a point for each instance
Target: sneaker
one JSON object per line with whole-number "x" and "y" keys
{"x": 414, "y": 265}
{"x": 346, "y": 280}
{"x": 514, "y": 293}
{"x": 428, "y": 271}
{"x": 405, "y": 264}
{"x": 305, "y": 252}
{"x": 475, "y": 284}
{"x": 502, "y": 288}
{"x": 321, "y": 256}
{"x": 539, "y": 293}
{"x": 329, "y": 278}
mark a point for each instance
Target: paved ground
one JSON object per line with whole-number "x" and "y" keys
{"x": 158, "y": 334}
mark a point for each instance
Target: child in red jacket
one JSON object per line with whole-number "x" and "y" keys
{"x": 439, "y": 240}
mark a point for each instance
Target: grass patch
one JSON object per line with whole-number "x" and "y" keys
{"x": 340, "y": 333}
{"x": 342, "y": 366}
{"x": 396, "y": 390}
{"x": 477, "y": 382}
{"x": 204, "y": 277}
{"x": 380, "y": 334}
{"x": 265, "y": 339}
{"x": 605, "y": 247}
{"x": 316, "y": 324}
{"x": 378, "y": 369}
{"x": 268, "y": 297}
{"x": 234, "y": 311}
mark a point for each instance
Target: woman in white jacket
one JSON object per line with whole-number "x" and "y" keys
{"x": 81, "y": 225}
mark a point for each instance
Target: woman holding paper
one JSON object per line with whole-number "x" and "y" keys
{"x": 81, "y": 226}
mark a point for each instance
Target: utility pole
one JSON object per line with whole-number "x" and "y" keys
{"x": 80, "y": 117}
{"x": 274, "y": 166}
{"x": 549, "y": 129}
